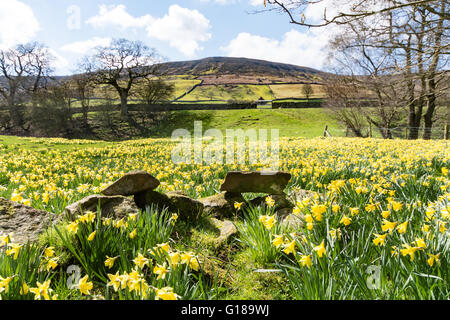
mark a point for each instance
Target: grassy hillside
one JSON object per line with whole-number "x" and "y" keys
{"x": 230, "y": 92}
{"x": 227, "y": 65}
{"x": 282, "y": 91}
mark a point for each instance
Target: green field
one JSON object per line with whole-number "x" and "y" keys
{"x": 283, "y": 91}
{"x": 182, "y": 86}
{"x": 307, "y": 123}
{"x": 230, "y": 92}
{"x": 371, "y": 203}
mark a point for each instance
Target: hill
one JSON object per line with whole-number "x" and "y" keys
{"x": 226, "y": 70}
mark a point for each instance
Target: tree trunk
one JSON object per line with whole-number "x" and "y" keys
{"x": 14, "y": 112}
{"x": 85, "y": 112}
{"x": 431, "y": 106}
{"x": 124, "y": 103}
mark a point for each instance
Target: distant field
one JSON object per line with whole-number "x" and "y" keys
{"x": 182, "y": 86}
{"x": 230, "y": 92}
{"x": 282, "y": 91}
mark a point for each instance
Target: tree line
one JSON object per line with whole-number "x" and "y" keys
{"x": 129, "y": 68}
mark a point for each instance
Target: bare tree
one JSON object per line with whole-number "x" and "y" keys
{"x": 345, "y": 103}
{"x": 52, "y": 111}
{"x": 410, "y": 35}
{"x": 83, "y": 91}
{"x": 307, "y": 90}
{"x": 377, "y": 94}
{"x": 24, "y": 69}
{"x": 119, "y": 65}
{"x": 155, "y": 90}
{"x": 346, "y": 11}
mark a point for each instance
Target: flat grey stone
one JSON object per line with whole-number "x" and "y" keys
{"x": 132, "y": 183}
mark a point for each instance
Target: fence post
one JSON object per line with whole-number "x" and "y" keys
{"x": 446, "y": 131}
{"x": 406, "y": 132}
{"x": 370, "y": 129}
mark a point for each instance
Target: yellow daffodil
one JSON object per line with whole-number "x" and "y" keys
{"x": 270, "y": 202}
{"x": 141, "y": 261}
{"x": 401, "y": 228}
{"x": 73, "y": 227}
{"x": 175, "y": 258}
{"x": 289, "y": 247}
{"x": 306, "y": 261}
{"x": 14, "y": 250}
{"x": 354, "y": 211}
{"x": 396, "y": 206}
{"x": 345, "y": 220}
{"x": 408, "y": 250}
{"x": 133, "y": 234}
{"x": 433, "y": 258}
{"x": 388, "y": 226}
{"x": 278, "y": 241}
{"x": 318, "y": 211}
{"x": 42, "y": 290}
{"x": 51, "y": 264}
{"x": 49, "y": 252}
{"x": 92, "y": 236}
{"x": 166, "y": 294}
{"x": 109, "y": 262}
{"x": 320, "y": 249}
{"x": 161, "y": 271}
{"x": 114, "y": 281}
{"x": 84, "y": 286}
{"x": 379, "y": 239}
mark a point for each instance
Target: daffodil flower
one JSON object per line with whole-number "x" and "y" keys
{"x": 140, "y": 261}
{"x": 320, "y": 249}
{"x": 345, "y": 220}
{"x": 84, "y": 286}
{"x": 109, "y": 262}
{"x": 161, "y": 271}
{"x": 380, "y": 239}
{"x": 306, "y": 261}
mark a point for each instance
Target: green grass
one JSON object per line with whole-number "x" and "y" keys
{"x": 230, "y": 92}
{"x": 49, "y": 143}
{"x": 306, "y": 123}
{"x": 182, "y": 86}
{"x": 282, "y": 91}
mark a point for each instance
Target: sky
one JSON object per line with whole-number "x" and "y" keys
{"x": 178, "y": 29}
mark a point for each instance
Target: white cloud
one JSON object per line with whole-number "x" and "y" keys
{"x": 304, "y": 49}
{"x": 59, "y": 62}
{"x": 83, "y": 47}
{"x": 118, "y": 16}
{"x": 182, "y": 28}
{"x": 252, "y": 2}
{"x": 17, "y": 23}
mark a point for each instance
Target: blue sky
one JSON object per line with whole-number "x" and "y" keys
{"x": 177, "y": 29}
